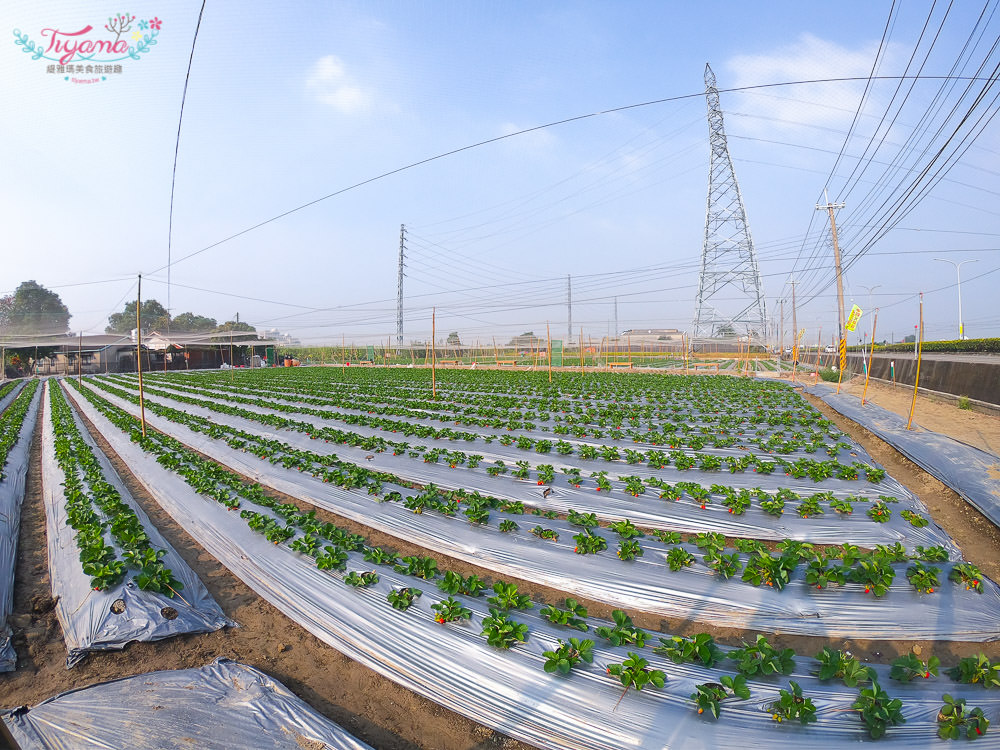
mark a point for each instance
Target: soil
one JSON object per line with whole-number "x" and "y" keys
{"x": 368, "y": 705}
{"x": 977, "y": 429}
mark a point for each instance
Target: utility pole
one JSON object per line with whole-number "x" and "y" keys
{"x": 795, "y": 330}
{"x": 569, "y": 308}
{"x": 138, "y": 354}
{"x": 836, "y": 261}
{"x": 399, "y": 285}
{"x": 781, "y": 331}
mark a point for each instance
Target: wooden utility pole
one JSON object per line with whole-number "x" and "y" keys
{"x": 836, "y": 261}
{"x": 433, "y": 354}
{"x": 138, "y": 354}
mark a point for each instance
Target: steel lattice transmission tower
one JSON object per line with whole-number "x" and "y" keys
{"x": 730, "y": 297}
{"x": 399, "y": 285}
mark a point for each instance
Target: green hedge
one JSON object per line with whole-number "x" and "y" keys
{"x": 984, "y": 346}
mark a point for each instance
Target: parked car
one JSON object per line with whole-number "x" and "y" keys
{"x": 830, "y": 350}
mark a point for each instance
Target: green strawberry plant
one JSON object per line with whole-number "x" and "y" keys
{"x": 750, "y": 546}
{"x": 402, "y": 599}
{"x": 952, "y": 720}
{"x": 678, "y": 557}
{"x": 545, "y": 474}
{"x": 973, "y": 670}
{"x": 380, "y": 556}
{"x": 878, "y": 710}
{"x": 764, "y": 569}
{"x": 968, "y": 574}
{"x": 629, "y": 549}
{"x": 586, "y": 520}
{"x": 454, "y": 583}
{"x": 879, "y": 512}
{"x": 624, "y": 631}
{"x": 762, "y": 658}
{"x": 568, "y": 654}
{"x": 421, "y": 567}
{"x": 876, "y": 576}
{"x": 709, "y": 541}
{"x": 843, "y": 507}
{"x": 707, "y": 696}
{"x": 450, "y": 610}
{"x": 931, "y": 554}
{"x": 503, "y": 632}
{"x": 589, "y": 543}
{"x": 725, "y": 565}
{"x": 681, "y": 650}
{"x": 820, "y": 573}
{"x": 792, "y": 705}
{"x": 571, "y": 617}
{"x": 923, "y": 578}
{"x": 545, "y": 533}
{"x": 838, "y": 665}
{"x": 361, "y": 580}
{"x": 667, "y": 537}
{"x": 915, "y": 519}
{"x": 634, "y": 672}
{"x": 334, "y": 558}
{"x": 908, "y": 666}
{"x": 507, "y": 597}
{"x": 508, "y": 525}
{"x": 625, "y": 529}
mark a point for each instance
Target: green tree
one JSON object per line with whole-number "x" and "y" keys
{"x": 453, "y": 339}
{"x": 232, "y": 325}
{"x": 190, "y": 322}
{"x": 154, "y": 317}
{"x": 33, "y": 309}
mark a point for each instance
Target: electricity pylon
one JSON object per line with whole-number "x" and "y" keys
{"x": 730, "y": 297}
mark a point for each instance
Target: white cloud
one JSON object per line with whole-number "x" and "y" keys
{"x": 329, "y": 81}
{"x": 828, "y": 105}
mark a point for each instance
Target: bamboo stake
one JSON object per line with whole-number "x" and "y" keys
{"x": 871, "y": 358}
{"x": 79, "y": 360}
{"x": 343, "y": 353}
{"x": 138, "y": 354}
{"x": 819, "y": 345}
{"x": 433, "y": 354}
{"x": 581, "y": 350}
{"x": 232, "y": 362}
{"x": 920, "y": 350}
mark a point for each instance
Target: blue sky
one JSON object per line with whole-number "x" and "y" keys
{"x": 288, "y": 103}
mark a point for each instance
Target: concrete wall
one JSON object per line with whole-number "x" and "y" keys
{"x": 976, "y": 378}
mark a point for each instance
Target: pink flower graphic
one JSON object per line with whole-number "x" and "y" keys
{"x": 155, "y": 23}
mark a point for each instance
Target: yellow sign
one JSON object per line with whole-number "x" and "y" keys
{"x": 853, "y": 318}
{"x": 843, "y": 354}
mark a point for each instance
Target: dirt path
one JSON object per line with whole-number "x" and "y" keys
{"x": 974, "y": 428}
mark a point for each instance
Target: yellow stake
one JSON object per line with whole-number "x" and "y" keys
{"x": 920, "y": 349}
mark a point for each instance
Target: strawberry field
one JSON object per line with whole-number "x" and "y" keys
{"x": 548, "y": 528}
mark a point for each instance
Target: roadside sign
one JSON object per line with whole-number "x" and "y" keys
{"x": 843, "y": 354}
{"x": 853, "y": 318}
